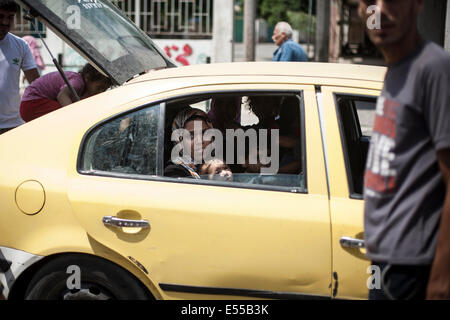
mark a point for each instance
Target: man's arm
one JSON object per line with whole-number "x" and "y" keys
{"x": 439, "y": 282}
{"x": 31, "y": 75}
{"x": 65, "y": 97}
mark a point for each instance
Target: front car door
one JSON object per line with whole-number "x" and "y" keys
{"x": 206, "y": 239}
{"x": 347, "y": 118}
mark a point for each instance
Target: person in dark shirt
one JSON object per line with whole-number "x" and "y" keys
{"x": 406, "y": 185}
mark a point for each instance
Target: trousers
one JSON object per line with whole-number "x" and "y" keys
{"x": 401, "y": 282}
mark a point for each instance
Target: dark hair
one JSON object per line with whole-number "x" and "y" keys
{"x": 89, "y": 72}
{"x": 9, "y": 5}
{"x": 265, "y": 107}
{"x": 196, "y": 117}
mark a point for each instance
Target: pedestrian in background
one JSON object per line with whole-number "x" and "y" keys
{"x": 407, "y": 180}
{"x": 32, "y": 43}
{"x": 15, "y": 55}
{"x": 288, "y": 50}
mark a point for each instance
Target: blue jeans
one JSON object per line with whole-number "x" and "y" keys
{"x": 401, "y": 282}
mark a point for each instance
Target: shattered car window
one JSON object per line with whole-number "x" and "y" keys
{"x": 125, "y": 145}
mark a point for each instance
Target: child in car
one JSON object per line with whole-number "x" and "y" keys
{"x": 216, "y": 169}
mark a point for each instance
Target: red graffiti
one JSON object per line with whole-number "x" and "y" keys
{"x": 181, "y": 58}
{"x": 167, "y": 50}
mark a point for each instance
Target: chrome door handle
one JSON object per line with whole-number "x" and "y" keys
{"x": 125, "y": 223}
{"x": 347, "y": 242}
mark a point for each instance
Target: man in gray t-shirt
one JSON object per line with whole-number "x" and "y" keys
{"x": 408, "y": 164}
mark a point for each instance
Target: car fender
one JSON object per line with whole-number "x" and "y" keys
{"x": 70, "y": 240}
{"x": 12, "y": 263}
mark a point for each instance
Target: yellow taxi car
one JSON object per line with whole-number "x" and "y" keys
{"x": 87, "y": 212}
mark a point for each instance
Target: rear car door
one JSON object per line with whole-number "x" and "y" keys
{"x": 347, "y": 118}
{"x": 208, "y": 240}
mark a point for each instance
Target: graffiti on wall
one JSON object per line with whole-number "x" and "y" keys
{"x": 186, "y": 52}
{"x": 181, "y": 58}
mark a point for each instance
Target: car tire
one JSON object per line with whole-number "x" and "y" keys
{"x": 83, "y": 277}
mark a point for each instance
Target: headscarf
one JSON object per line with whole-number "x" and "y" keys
{"x": 187, "y": 114}
{"x": 183, "y": 117}
{"x": 32, "y": 43}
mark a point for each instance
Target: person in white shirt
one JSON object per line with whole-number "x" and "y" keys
{"x": 15, "y": 55}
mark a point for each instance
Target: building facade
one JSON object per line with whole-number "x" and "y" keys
{"x": 347, "y": 35}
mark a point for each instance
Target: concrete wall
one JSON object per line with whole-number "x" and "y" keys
{"x": 223, "y": 26}
{"x": 186, "y": 52}
{"x": 335, "y": 30}
{"x": 322, "y": 31}
{"x": 447, "y": 28}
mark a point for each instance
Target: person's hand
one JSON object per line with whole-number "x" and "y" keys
{"x": 124, "y": 124}
{"x": 226, "y": 174}
{"x": 439, "y": 282}
{"x": 64, "y": 97}
{"x": 439, "y": 287}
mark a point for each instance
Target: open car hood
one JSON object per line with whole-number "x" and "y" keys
{"x": 101, "y": 34}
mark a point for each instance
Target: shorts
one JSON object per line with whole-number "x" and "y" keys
{"x": 32, "y": 109}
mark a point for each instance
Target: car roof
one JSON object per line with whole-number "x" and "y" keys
{"x": 78, "y": 117}
{"x": 314, "y": 70}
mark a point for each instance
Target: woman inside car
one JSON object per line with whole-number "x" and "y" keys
{"x": 189, "y": 145}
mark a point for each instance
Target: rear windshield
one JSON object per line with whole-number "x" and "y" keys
{"x": 101, "y": 33}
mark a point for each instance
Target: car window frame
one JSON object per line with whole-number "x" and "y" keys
{"x": 92, "y": 129}
{"x": 161, "y": 143}
{"x": 362, "y": 97}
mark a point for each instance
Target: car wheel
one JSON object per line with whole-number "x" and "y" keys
{"x": 82, "y": 277}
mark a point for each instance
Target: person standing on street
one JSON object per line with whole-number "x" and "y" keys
{"x": 407, "y": 179}
{"x": 287, "y": 50}
{"x": 15, "y": 55}
{"x": 32, "y": 43}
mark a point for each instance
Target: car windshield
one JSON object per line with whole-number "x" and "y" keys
{"x": 102, "y": 34}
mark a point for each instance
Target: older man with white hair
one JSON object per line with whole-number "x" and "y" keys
{"x": 288, "y": 50}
